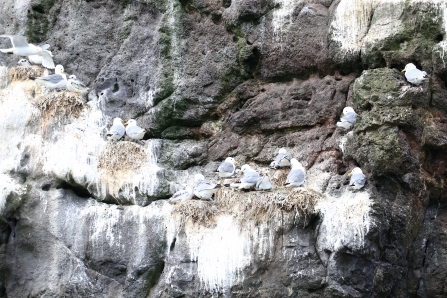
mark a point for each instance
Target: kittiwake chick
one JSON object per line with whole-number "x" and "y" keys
{"x": 74, "y": 85}
{"x": 186, "y": 193}
{"x": 281, "y": 160}
{"x": 204, "y": 189}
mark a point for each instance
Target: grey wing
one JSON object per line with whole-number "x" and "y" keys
{"x": 16, "y": 40}
{"x": 181, "y": 195}
{"x": 296, "y": 176}
{"x": 116, "y": 129}
{"x": 226, "y": 167}
{"x": 79, "y": 84}
{"x": 54, "y": 78}
{"x": 359, "y": 179}
{"x": 349, "y": 117}
{"x": 47, "y": 60}
{"x": 282, "y": 156}
{"x": 250, "y": 177}
{"x": 414, "y": 74}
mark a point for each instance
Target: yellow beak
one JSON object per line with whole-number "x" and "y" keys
{"x": 235, "y": 162}
{"x": 125, "y": 123}
{"x": 404, "y": 70}
{"x": 350, "y": 174}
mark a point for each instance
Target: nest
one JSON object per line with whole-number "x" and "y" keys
{"x": 121, "y": 157}
{"x": 199, "y": 211}
{"x": 22, "y": 73}
{"x": 60, "y": 104}
{"x": 264, "y": 206}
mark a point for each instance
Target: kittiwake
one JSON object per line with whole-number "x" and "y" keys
{"x": 281, "y": 160}
{"x": 250, "y": 177}
{"x": 117, "y": 130}
{"x": 21, "y": 47}
{"x": 74, "y": 85}
{"x": 348, "y": 118}
{"x": 414, "y": 75}
{"x": 297, "y": 175}
{"x": 133, "y": 131}
{"x": 358, "y": 179}
{"x": 45, "y": 58}
{"x": 57, "y": 80}
{"x": 227, "y": 167}
{"x": 204, "y": 189}
{"x": 186, "y": 193}
{"x": 264, "y": 183}
{"x": 24, "y": 63}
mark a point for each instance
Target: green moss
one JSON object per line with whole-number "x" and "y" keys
{"x": 38, "y": 21}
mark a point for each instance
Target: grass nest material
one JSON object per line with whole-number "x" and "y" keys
{"x": 199, "y": 211}
{"x": 60, "y": 104}
{"x": 21, "y": 73}
{"x": 121, "y": 157}
{"x": 264, "y": 206}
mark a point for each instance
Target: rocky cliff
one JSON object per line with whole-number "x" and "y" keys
{"x": 83, "y": 217}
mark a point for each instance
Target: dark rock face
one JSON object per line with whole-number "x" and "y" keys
{"x": 210, "y": 79}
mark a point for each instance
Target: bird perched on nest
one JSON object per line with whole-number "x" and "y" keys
{"x": 186, "y": 193}
{"x": 227, "y": 167}
{"x": 43, "y": 60}
{"x": 348, "y": 118}
{"x": 133, "y": 131}
{"x": 281, "y": 160}
{"x": 24, "y": 63}
{"x": 264, "y": 183}
{"x": 249, "y": 179}
{"x": 117, "y": 130}
{"x": 414, "y": 75}
{"x": 74, "y": 85}
{"x": 358, "y": 179}
{"x": 57, "y": 80}
{"x": 21, "y": 47}
{"x": 204, "y": 189}
{"x": 297, "y": 175}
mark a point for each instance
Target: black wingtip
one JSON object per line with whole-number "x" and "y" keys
{"x": 31, "y": 78}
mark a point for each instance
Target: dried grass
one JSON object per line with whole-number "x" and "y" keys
{"x": 119, "y": 157}
{"x": 60, "y": 104}
{"x": 263, "y": 206}
{"x": 21, "y": 73}
{"x": 200, "y": 212}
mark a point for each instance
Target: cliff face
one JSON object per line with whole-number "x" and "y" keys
{"x": 83, "y": 217}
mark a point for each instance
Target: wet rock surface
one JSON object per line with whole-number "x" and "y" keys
{"x": 80, "y": 217}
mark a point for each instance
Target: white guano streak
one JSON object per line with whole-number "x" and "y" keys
{"x": 282, "y": 16}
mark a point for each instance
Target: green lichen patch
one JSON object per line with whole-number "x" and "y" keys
{"x": 38, "y": 22}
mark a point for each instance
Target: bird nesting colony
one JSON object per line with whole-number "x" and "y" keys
{"x": 121, "y": 158}
{"x": 198, "y": 211}
{"x": 265, "y": 206}
{"x": 20, "y": 73}
{"x": 251, "y": 206}
{"x": 60, "y": 104}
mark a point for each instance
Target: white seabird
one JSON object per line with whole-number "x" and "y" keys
{"x": 348, "y": 118}
{"x": 117, "y": 130}
{"x": 358, "y": 179}
{"x": 21, "y": 47}
{"x": 414, "y": 75}
{"x": 297, "y": 175}
{"x": 250, "y": 177}
{"x": 182, "y": 195}
{"x": 74, "y": 85}
{"x": 45, "y": 58}
{"x": 57, "y": 80}
{"x": 204, "y": 189}
{"x": 264, "y": 183}
{"x": 227, "y": 167}
{"x": 133, "y": 131}
{"x": 282, "y": 159}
